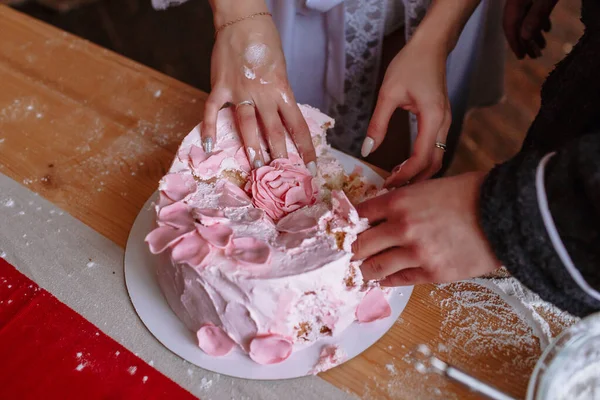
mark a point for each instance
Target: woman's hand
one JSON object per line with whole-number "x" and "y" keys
{"x": 248, "y": 70}
{"x": 428, "y": 232}
{"x": 415, "y": 81}
{"x": 524, "y": 21}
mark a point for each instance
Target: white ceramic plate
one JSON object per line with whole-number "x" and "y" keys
{"x": 151, "y": 306}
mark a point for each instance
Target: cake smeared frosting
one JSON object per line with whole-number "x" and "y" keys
{"x": 260, "y": 260}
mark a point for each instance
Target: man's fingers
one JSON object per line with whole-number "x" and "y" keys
{"x": 387, "y": 263}
{"x": 272, "y": 128}
{"x": 246, "y": 118}
{"x": 514, "y": 12}
{"x": 385, "y": 107}
{"x": 208, "y": 134}
{"x": 298, "y": 129}
{"x": 377, "y": 208}
{"x": 536, "y": 18}
{"x": 406, "y": 277}
{"x": 375, "y": 240}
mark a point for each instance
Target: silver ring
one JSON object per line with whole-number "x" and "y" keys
{"x": 441, "y": 146}
{"x": 244, "y": 103}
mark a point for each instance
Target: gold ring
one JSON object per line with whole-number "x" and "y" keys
{"x": 441, "y": 146}
{"x": 244, "y": 103}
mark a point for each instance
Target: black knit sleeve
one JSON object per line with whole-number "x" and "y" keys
{"x": 513, "y": 223}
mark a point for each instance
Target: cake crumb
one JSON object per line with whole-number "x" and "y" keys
{"x": 132, "y": 370}
{"x": 331, "y": 356}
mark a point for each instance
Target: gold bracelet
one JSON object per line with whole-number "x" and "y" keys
{"x": 235, "y": 21}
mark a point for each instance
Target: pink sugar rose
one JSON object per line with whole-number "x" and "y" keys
{"x": 281, "y": 188}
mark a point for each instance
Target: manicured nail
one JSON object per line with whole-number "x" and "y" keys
{"x": 207, "y": 145}
{"x": 258, "y": 163}
{"x": 397, "y": 168}
{"x": 312, "y": 167}
{"x": 367, "y": 146}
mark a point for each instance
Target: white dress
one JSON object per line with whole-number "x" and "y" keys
{"x": 333, "y": 53}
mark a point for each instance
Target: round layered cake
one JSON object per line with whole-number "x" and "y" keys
{"x": 260, "y": 260}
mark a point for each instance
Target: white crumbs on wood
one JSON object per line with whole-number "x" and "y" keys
{"x": 391, "y": 368}
{"x": 158, "y": 93}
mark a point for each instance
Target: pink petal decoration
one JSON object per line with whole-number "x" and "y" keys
{"x": 214, "y": 341}
{"x": 164, "y": 200}
{"x": 196, "y": 156}
{"x": 253, "y": 214}
{"x": 192, "y": 249}
{"x": 373, "y": 306}
{"x": 297, "y": 222}
{"x": 249, "y": 250}
{"x": 210, "y": 166}
{"x": 176, "y": 215}
{"x": 177, "y": 186}
{"x": 232, "y": 196}
{"x": 270, "y": 349}
{"x": 218, "y": 235}
{"x": 209, "y": 216}
{"x": 162, "y": 237}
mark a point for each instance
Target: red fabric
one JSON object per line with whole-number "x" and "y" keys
{"x": 48, "y": 351}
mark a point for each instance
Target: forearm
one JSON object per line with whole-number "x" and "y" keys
{"x": 444, "y": 23}
{"x": 229, "y": 10}
{"x": 540, "y": 213}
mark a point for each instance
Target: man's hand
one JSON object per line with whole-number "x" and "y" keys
{"x": 426, "y": 232}
{"x": 524, "y": 21}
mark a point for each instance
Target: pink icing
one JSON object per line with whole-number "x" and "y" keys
{"x": 214, "y": 341}
{"x": 242, "y": 160}
{"x": 281, "y": 188}
{"x": 373, "y": 306}
{"x": 177, "y": 186}
{"x": 270, "y": 349}
{"x": 218, "y": 235}
{"x": 243, "y": 327}
{"x": 249, "y": 250}
{"x": 192, "y": 249}
{"x": 161, "y": 238}
{"x": 176, "y": 215}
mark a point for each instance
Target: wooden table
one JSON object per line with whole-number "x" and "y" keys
{"x": 93, "y": 132}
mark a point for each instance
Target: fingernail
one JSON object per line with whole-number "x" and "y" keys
{"x": 251, "y": 154}
{"x": 367, "y": 146}
{"x": 258, "y": 163}
{"x": 397, "y": 168}
{"x": 207, "y": 145}
{"x": 312, "y": 167}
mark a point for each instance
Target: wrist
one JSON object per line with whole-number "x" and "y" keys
{"x": 228, "y": 10}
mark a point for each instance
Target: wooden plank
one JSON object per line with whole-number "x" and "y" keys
{"x": 93, "y": 132}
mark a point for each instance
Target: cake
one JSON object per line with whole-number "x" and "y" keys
{"x": 260, "y": 260}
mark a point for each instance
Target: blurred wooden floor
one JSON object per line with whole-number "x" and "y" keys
{"x": 178, "y": 42}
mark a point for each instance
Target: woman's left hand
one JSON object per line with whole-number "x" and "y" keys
{"x": 426, "y": 232}
{"x": 415, "y": 81}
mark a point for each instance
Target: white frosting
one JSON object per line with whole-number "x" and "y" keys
{"x": 306, "y": 287}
